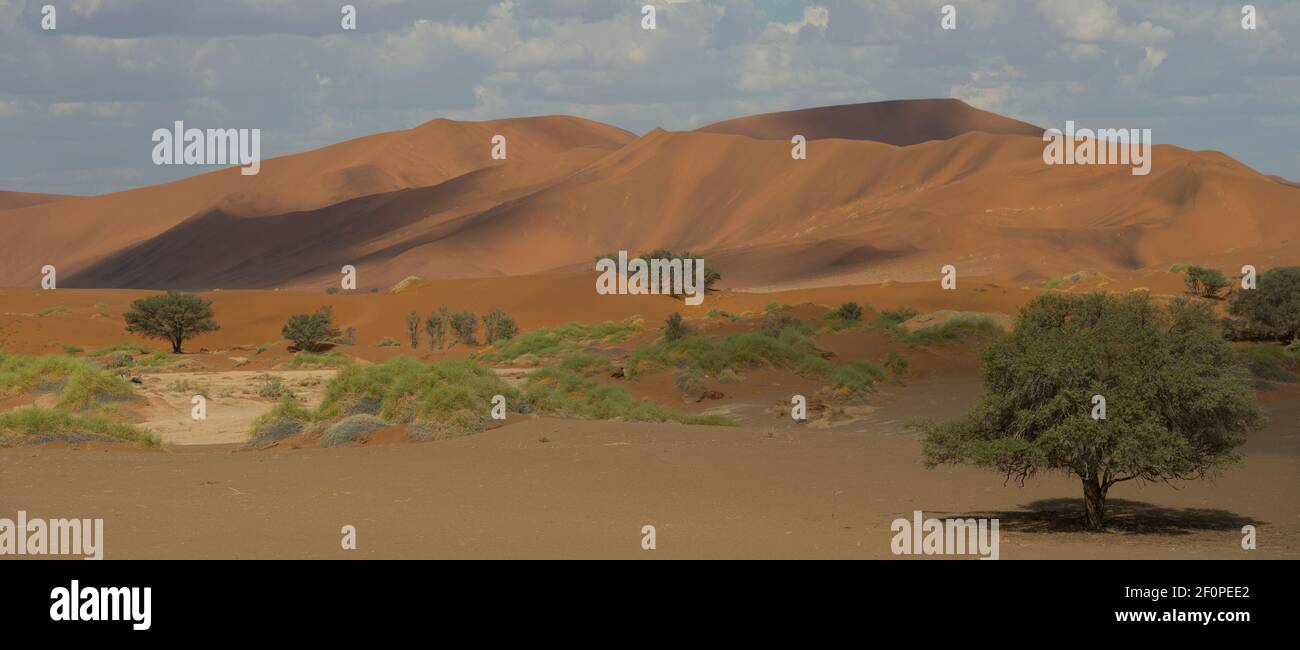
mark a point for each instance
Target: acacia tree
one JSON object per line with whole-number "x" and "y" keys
{"x": 311, "y": 332}
{"x": 173, "y": 317}
{"x": 1177, "y": 399}
{"x": 1272, "y": 309}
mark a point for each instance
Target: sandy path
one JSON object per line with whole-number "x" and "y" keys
{"x": 561, "y": 488}
{"x": 232, "y": 402}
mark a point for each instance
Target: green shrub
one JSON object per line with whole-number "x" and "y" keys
{"x": 499, "y": 326}
{"x": 37, "y": 425}
{"x": 311, "y": 332}
{"x": 675, "y": 327}
{"x": 1204, "y": 282}
{"x": 954, "y": 330}
{"x": 896, "y": 364}
{"x": 333, "y": 358}
{"x": 463, "y": 325}
{"x": 413, "y": 329}
{"x": 408, "y": 390}
{"x": 564, "y": 391}
{"x": 1272, "y": 309}
{"x": 53, "y": 311}
{"x": 173, "y": 317}
{"x": 554, "y": 341}
{"x": 436, "y": 327}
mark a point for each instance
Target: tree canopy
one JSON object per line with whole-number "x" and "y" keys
{"x": 1177, "y": 398}
{"x": 173, "y": 317}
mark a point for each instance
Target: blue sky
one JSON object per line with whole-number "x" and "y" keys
{"x": 78, "y": 104}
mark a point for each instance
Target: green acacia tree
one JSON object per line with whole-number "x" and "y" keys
{"x": 173, "y": 317}
{"x": 1177, "y": 399}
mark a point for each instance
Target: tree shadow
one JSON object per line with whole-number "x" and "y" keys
{"x": 1063, "y": 515}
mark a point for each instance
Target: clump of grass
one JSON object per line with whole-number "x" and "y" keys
{"x": 389, "y": 342}
{"x": 138, "y": 348}
{"x": 892, "y": 319}
{"x": 554, "y": 341}
{"x": 73, "y": 349}
{"x": 333, "y": 358}
{"x": 896, "y": 364}
{"x": 954, "y": 330}
{"x": 81, "y": 383}
{"x": 1053, "y": 283}
{"x": 37, "y": 425}
{"x": 720, "y": 313}
{"x": 734, "y": 352}
{"x": 352, "y": 429}
{"x": 855, "y": 378}
{"x": 271, "y": 386}
{"x": 285, "y": 419}
{"x": 119, "y": 360}
{"x": 188, "y": 387}
{"x": 564, "y": 391}
{"x": 1180, "y": 267}
{"x": 407, "y": 390}
{"x": 53, "y": 311}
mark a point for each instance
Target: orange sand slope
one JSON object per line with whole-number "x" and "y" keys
{"x": 968, "y": 188}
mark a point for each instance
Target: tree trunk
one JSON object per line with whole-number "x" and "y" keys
{"x": 1094, "y": 501}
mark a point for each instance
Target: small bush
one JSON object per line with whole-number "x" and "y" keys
{"x": 675, "y": 327}
{"x": 270, "y": 386}
{"x": 499, "y": 326}
{"x": 73, "y": 349}
{"x": 554, "y": 341}
{"x": 954, "y": 330}
{"x": 389, "y": 342}
{"x": 436, "y": 327}
{"x": 463, "y": 325}
{"x": 53, "y": 311}
{"x": 896, "y": 364}
{"x": 413, "y": 329}
{"x": 848, "y": 312}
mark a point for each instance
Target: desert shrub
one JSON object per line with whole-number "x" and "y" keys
{"x": 351, "y": 429}
{"x": 892, "y": 318}
{"x": 1204, "y": 282}
{"x": 1178, "y": 398}
{"x": 1179, "y": 267}
{"x": 388, "y": 342}
{"x": 565, "y": 391}
{"x": 776, "y": 322}
{"x": 332, "y": 359}
{"x": 855, "y": 378}
{"x": 675, "y": 327}
{"x": 271, "y": 387}
{"x": 188, "y": 387}
{"x": 331, "y": 290}
{"x": 499, "y": 326}
{"x": 174, "y": 317}
{"x": 693, "y": 382}
{"x": 285, "y": 419}
{"x": 311, "y": 332}
{"x": 553, "y": 341}
{"x": 463, "y": 325}
{"x": 119, "y": 360}
{"x": 80, "y": 383}
{"x": 896, "y": 364}
{"x": 138, "y": 348}
{"x": 53, "y": 311}
{"x": 37, "y": 425}
{"x": 409, "y": 390}
{"x": 413, "y": 329}
{"x": 955, "y": 329}
{"x": 1272, "y": 309}
{"x": 848, "y": 312}
{"x": 719, "y": 313}
{"x": 73, "y": 349}
{"x": 436, "y": 327}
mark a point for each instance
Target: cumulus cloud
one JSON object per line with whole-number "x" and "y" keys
{"x": 115, "y": 70}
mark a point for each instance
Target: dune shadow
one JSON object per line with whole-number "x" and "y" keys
{"x": 1063, "y": 515}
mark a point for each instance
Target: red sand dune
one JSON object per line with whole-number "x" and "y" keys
{"x": 968, "y": 189}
